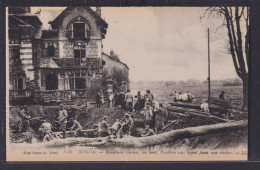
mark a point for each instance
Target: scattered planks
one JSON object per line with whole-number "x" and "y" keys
{"x": 195, "y": 113}
{"x": 197, "y": 106}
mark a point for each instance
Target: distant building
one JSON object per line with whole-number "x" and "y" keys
{"x": 112, "y": 63}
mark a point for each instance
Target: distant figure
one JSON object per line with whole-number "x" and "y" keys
{"x": 150, "y": 97}
{"x": 140, "y": 102}
{"x": 115, "y": 103}
{"x": 44, "y": 130}
{"x": 205, "y": 106}
{"x": 149, "y": 131}
{"x": 148, "y": 113}
{"x": 221, "y": 96}
{"x": 98, "y": 99}
{"x": 102, "y": 97}
{"x": 25, "y": 124}
{"x": 76, "y": 125}
{"x": 63, "y": 115}
{"x": 111, "y": 98}
{"x": 121, "y": 100}
{"x": 129, "y": 101}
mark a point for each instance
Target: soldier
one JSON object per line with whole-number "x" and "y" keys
{"x": 116, "y": 127}
{"x": 44, "y": 130}
{"x": 221, "y": 96}
{"x": 129, "y": 101}
{"x": 149, "y": 131}
{"x": 127, "y": 125}
{"x": 63, "y": 115}
{"x": 76, "y": 125}
{"x": 104, "y": 127}
{"x": 24, "y": 114}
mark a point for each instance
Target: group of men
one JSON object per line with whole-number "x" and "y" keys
{"x": 118, "y": 129}
{"x": 155, "y": 114}
{"x": 45, "y": 130}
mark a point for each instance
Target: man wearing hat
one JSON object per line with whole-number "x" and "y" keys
{"x": 221, "y": 96}
{"x": 24, "y": 114}
{"x": 63, "y": 115}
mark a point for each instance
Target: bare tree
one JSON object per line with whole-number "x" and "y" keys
{"x": 236, "y": 20}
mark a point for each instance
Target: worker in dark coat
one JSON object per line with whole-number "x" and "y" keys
{"x": 221, "y": 96}
{"x": 25, "y": 124}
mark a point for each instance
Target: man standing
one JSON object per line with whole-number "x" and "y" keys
{"x": 98, "y": 99}
{"x": 104, "y": 127}
{"x": 150, "y": 97}
{"x": 129, "y": 101}
{"x": 24, "y": 114}
{"x": 76, "y": 125}
{"x": 63, "y": 115}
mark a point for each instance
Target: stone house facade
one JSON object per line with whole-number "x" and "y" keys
{"x": 60, "y": 62}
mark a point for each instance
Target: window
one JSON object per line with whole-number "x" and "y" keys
{"x": 50, "y": 50}
{"x": 79, "y": 54}
{"x": 19, "y": 82}
{"x": 79, "y": 30}
{"x": 77, "y": 81}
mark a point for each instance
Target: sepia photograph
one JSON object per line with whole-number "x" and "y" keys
{"x": 127, "y": 83}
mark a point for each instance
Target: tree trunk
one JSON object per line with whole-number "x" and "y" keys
{"x": 168, "y": 137}
{"x": 245, "y": 92}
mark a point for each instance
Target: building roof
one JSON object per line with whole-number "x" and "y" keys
{"x": 49, "y": 33}
{"x": 28, "y": 19}
{"x": 100, "y": 21}
{"x": 115, "y": 60}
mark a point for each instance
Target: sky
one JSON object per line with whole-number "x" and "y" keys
{"x": 162, "y": 43}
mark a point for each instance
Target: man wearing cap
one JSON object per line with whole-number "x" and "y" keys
{"x": 127, "y": 125}
{"x": 104, "y": 127}
{"x": 44, "y": 130}
{"x": 24, "y": 114}
{"x": 150, "y": 97}
{"x": 221, "y": 96}
{"x": 129, "y": 101}
{"x": 76, "y": 125}
{"x": 63, "y": 115}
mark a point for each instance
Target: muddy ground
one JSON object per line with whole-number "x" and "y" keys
{"x": 93, "y": 115}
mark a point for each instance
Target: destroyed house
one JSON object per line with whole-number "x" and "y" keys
{"x": 66, "y": 59}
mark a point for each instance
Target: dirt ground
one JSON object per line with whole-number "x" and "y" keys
{"x": 93, "y": 115}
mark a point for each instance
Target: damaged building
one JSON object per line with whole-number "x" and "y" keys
{"x": 59, "y": 63}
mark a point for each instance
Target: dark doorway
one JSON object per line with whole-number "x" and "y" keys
{"x": 51, "y": 82}
{"x": 20, "y": 83}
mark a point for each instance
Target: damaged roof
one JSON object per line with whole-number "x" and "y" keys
{"x": 57, "y": 21}
{"x": 112, "y": 58}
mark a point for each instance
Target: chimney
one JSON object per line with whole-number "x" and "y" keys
{"x": 98, "y": 11}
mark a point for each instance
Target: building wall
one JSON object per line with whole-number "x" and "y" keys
{"x": 110, "y": 63}
{"x": 93, "y": 47}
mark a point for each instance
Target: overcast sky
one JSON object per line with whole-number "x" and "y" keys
{"x": 162, "y": 43}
